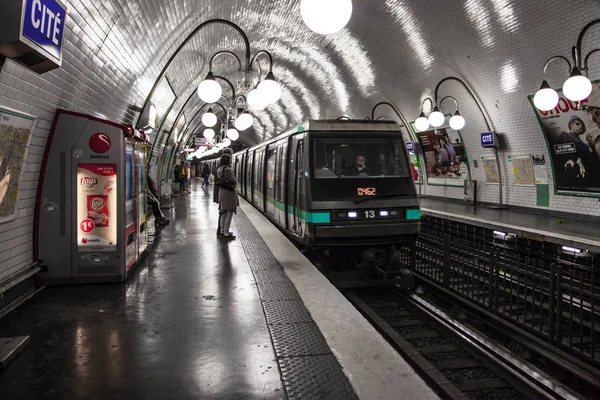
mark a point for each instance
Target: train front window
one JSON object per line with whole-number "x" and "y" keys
{"x": 351, "y": 158}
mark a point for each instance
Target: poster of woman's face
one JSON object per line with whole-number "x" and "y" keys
{"x": 573, "y": 138}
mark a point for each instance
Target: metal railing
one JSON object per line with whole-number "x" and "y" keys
{"x": 531, "y": 283}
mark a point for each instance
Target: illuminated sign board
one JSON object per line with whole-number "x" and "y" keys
{"x": 489, "y": 139}
{"x": 410, "y": 146}
{"x": 96, "y": 205}
{"x": 44, "y": 25}
{"x": 367, "y": 191}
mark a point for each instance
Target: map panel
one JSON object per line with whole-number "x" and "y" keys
{"x": 490, "y": 170}
{"x": 521, "y": 169}
{"x": 15, "y": 130}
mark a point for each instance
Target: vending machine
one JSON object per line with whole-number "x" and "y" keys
{"x": 90, "y": 222}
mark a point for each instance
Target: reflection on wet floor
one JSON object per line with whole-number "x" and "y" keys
{"x": 188, "y": 324}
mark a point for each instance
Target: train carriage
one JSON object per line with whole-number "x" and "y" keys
{"x": 307, "y": 182}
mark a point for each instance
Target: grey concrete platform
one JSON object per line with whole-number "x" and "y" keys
{"x": 574, "y": 232}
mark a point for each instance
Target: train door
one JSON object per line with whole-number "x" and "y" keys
{"x": 281, "y": 168}
{"x": 298, "y": 189}
{"x": 258, "y": 179}
{"x": 249, "y": 183}
{"x": 270, "y": 190}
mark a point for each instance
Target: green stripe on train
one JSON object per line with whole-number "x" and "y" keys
{"x": 413, "y": 214}
{"x": 308, "y": 216}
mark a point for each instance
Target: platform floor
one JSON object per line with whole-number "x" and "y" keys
{"x": 568, "y": 232}
{"x": 202, "y": 318}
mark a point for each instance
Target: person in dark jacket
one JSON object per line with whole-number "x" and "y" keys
{"x": 228, "y": 199}
{"x": 177, "y": 174}
{"x": 153, "y": 197}
{"x": 205, "y": 175}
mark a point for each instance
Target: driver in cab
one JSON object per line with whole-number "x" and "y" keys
{"x": 359, "y": 168}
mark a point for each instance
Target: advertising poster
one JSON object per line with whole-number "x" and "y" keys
{"x": 15, "y": 131}
{"x": 539, "y": 169}
{"x": 97, "y": 205}
{"x": 445, "y": 158}
{"x": 520, "y": 170}
{"x": 573, "y": 139}
{"x": 490, "y": 170}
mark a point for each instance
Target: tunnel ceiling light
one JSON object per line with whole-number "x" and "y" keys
{"x": 209, "y": 119}
{"x": 457, "y": 122}
{"x": 422, "y": 123}
{"x": 226, "y": 142}
{"x": 436, "y": 118}
{"x": 257, "y": 100}
{"x": 269, "y": 88}
{"x": 546, "y": 98}
{"x": 209, "y": 89}
{"x": 209, "y": 133}
{"x": 233, "y": 134}
{"x": 577, "y": 87}
{"x": 326, "y": 16}
{"x": 243, "y": 121}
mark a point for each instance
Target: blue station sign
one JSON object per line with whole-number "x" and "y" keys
{"x": 44, "y": 24}
{"x": 489, "y": 139}
{"x": 410, "y": 146}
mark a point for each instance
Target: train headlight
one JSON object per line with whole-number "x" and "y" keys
{"x": 384, "y": 213}
{"x": 352, "y": 214}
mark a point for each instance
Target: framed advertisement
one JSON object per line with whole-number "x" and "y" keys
{"x": 573, "y": 140}
{"x": 445, "y": 161}
{"x": 15, "y": 136}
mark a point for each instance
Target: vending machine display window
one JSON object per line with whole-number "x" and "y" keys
{"x": 129, "y": 188}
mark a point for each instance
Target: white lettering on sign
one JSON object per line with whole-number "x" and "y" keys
{"x": 487, "y": 138}
{"x": 47, "y": 26}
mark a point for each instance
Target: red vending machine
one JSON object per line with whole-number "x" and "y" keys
{"x": 88, "y": 211}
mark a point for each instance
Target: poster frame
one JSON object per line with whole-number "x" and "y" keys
{"x": 33, "y": 118}
{"x": 462, "y": 143}
{"x": 483, "y": 158}
{"x": 549, "y": 150}
{"x": 522, "y": 155}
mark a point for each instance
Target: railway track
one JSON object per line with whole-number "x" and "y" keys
{"x": 457, "y": 359}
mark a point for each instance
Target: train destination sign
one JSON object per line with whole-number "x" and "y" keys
{"x": 367, "y": 191}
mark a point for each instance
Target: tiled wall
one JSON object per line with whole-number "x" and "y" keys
{"x": 394, "y": 50}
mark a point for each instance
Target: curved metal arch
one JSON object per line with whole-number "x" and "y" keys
{"x": 220, "y": 53}
{"x": 163, "y": 72}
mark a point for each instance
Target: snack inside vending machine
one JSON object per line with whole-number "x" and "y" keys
{"x": 90, "y": 223}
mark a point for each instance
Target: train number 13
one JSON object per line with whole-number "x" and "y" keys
{"x": 369, "y": 214}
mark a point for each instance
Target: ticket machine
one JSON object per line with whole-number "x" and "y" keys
{"x": 90, "y": 223}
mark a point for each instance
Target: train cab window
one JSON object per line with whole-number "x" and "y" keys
{"x": 351, "y": 158}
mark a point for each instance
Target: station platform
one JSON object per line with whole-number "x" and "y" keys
{"x": 565, "y": 231}
{"x": 203, "y": 318}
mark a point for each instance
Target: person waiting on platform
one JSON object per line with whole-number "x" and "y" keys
{"x": 359, "y": 167}
{"x": 216, "y": 165}
{"x": 153, "y": 196}
{"x": 183, "y": 180}
{"x": 205, "y": 175}
{"x": 177, "y": 176}
{"x": 228, "y": 200}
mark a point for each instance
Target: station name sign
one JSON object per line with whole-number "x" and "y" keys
{"x": 410, "y": 146}
{"x": 489, "y": 139}
{"x": 44, "y": 24}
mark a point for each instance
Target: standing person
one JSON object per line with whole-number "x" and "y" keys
{"x": 153, "y": 197}
{"x": 205, "y": 174}
{"x": 177, "y": 174}
{"x": 228, "y": 200}
{"x": 183, "y": 180}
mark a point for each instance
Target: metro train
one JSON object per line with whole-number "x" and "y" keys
{"x": 334, "y": 184}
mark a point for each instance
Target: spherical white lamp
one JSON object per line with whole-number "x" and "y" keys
{"x": 233, "y": 134}
{"x": 326, "y": 16}
{"x": 209, "y": 89}
{"x": 457, "y": 122}
{"x": 270, "y": 89}
{"x": 436, "y": 118}
{"x": 421, "y": 123}
{"x": 257, "y": 100}
{"x": 244, "y": 121}
{"x": 226, "y": 142}
{"x": 577, "y": 87}
{"x": 209, "y": 119}
{"x": 546, "y": 98}
{"x": 209, "y": 133}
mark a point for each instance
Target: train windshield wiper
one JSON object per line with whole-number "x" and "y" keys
{"x": 380, "y": 197}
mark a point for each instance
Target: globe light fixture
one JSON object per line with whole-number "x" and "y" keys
{"x": 209, "y": 119}
{"x": 436, "y": 118}
{"x": 422, "y": 123}
{"x": 233, "y": 134}
{"x": 209, "y": 133}
{"x": 226, "y": 142}
{"x": 546, "y": 98}
{"x": 270, "y": 88}
{"x": 209, "y": 89}
{"x": 457, "y": 122}
{"x": 326, "y": 16}
{"x": 243, "y": 121}
{"x": 577, "y": 87}
{"x": 256, "y": 100}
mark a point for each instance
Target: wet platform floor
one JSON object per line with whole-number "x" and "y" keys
{"x": 188, "y": 324}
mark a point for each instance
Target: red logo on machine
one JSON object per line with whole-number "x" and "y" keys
{"x": 100, "y": 143}
{"x": 97, "y": 209}
{"x": 89, "y": 181}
